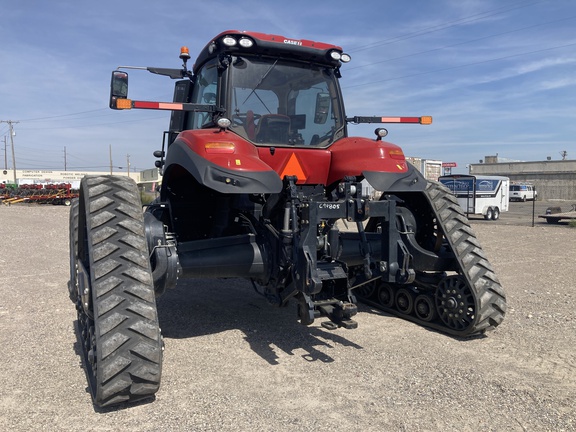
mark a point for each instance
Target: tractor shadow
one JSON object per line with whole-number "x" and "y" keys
{"x": 201, "y": 307}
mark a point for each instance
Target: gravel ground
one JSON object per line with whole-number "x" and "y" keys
{"x": 233, "y": 363}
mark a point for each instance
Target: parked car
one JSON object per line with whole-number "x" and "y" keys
{"x": 523, "y": 192}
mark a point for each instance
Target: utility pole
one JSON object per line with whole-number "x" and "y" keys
{"x": 5, "y": 155}
{"x": 12, "y": 133}
{"x": 128, "y": 164}
{"x": 110, "y": 145}
{"x": 65, "y": 158}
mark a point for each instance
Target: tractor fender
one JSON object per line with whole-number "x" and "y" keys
{"x": 410, "y": 181}
{"x": 354, "y": 155}
{"x": 233, "y": 173}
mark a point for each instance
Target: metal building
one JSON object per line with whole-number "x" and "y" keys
{"x": 553, "y": 179}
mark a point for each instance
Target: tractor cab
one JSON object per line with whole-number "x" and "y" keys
{"x": 272, "y": 96}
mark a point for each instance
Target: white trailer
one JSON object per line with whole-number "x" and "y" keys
{"x": 479, "y": 195}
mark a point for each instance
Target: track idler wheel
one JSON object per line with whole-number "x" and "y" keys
{"x": 404, "y": 301}
{"x": 386, "y": 295}
{"x": 424, "y": 308}
{"x": 455, "y": 303}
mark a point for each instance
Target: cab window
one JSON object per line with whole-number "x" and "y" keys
{"x": 204, "y": 92}
{"x": 274, "y": 102}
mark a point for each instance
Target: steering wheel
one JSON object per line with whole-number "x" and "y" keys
{"x": 248, "y": 121}
{"x": 239, "y": 119}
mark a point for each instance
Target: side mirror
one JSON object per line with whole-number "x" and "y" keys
{"x": 322, "y": 108}
{"x": 118, "y": 87}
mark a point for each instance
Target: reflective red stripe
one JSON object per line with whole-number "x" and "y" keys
{"x": 158, "y": 105}
{"x": 400, "y": 119}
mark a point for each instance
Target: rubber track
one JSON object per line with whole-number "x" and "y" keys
{"x": 475, "y": 268}
{"x": 129, "y": 345}
{"x": 73, "y": 241}
{"x": 490, "y": 300}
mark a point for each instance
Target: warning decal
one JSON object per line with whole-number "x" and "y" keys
{"x": 293, "y": 168}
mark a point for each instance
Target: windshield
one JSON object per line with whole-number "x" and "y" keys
{"x": 284, "y": 103}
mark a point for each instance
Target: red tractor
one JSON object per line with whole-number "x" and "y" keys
{"x": 258, "y": 173}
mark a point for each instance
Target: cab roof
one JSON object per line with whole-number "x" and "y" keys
{"x": 236, "y": 42}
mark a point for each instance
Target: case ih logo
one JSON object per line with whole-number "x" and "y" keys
{"x": 292, "y": 42}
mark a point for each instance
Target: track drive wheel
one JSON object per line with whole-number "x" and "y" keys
{"x": 118, "y": 321}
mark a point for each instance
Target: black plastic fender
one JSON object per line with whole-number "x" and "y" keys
{"x": 410, "y": 181}
{"x": 219, "y": 178}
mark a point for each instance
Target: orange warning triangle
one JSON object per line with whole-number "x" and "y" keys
{"x": 293, "y": 168}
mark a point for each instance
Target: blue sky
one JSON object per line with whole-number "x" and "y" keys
{"x": 498, "y": 76}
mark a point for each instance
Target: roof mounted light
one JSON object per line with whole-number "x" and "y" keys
{"x": 245, "y": 42}
{"x": 229, "y": 41}
{"x": 345, "y": 58}
{"x": 335, "y": 55}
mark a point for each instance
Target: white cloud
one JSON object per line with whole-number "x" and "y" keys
{"x": 558, "y": 83}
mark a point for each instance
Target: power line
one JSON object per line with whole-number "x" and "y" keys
{"x": 461, "y": 66}
{"x": 431, "y": 29}
{"x": 75, "y": 118}
{"x": 457, "y": 44}
{"x": 64, "y": 115}
{"x": 96, "y": 124}
{"x": 71, "y": 115}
